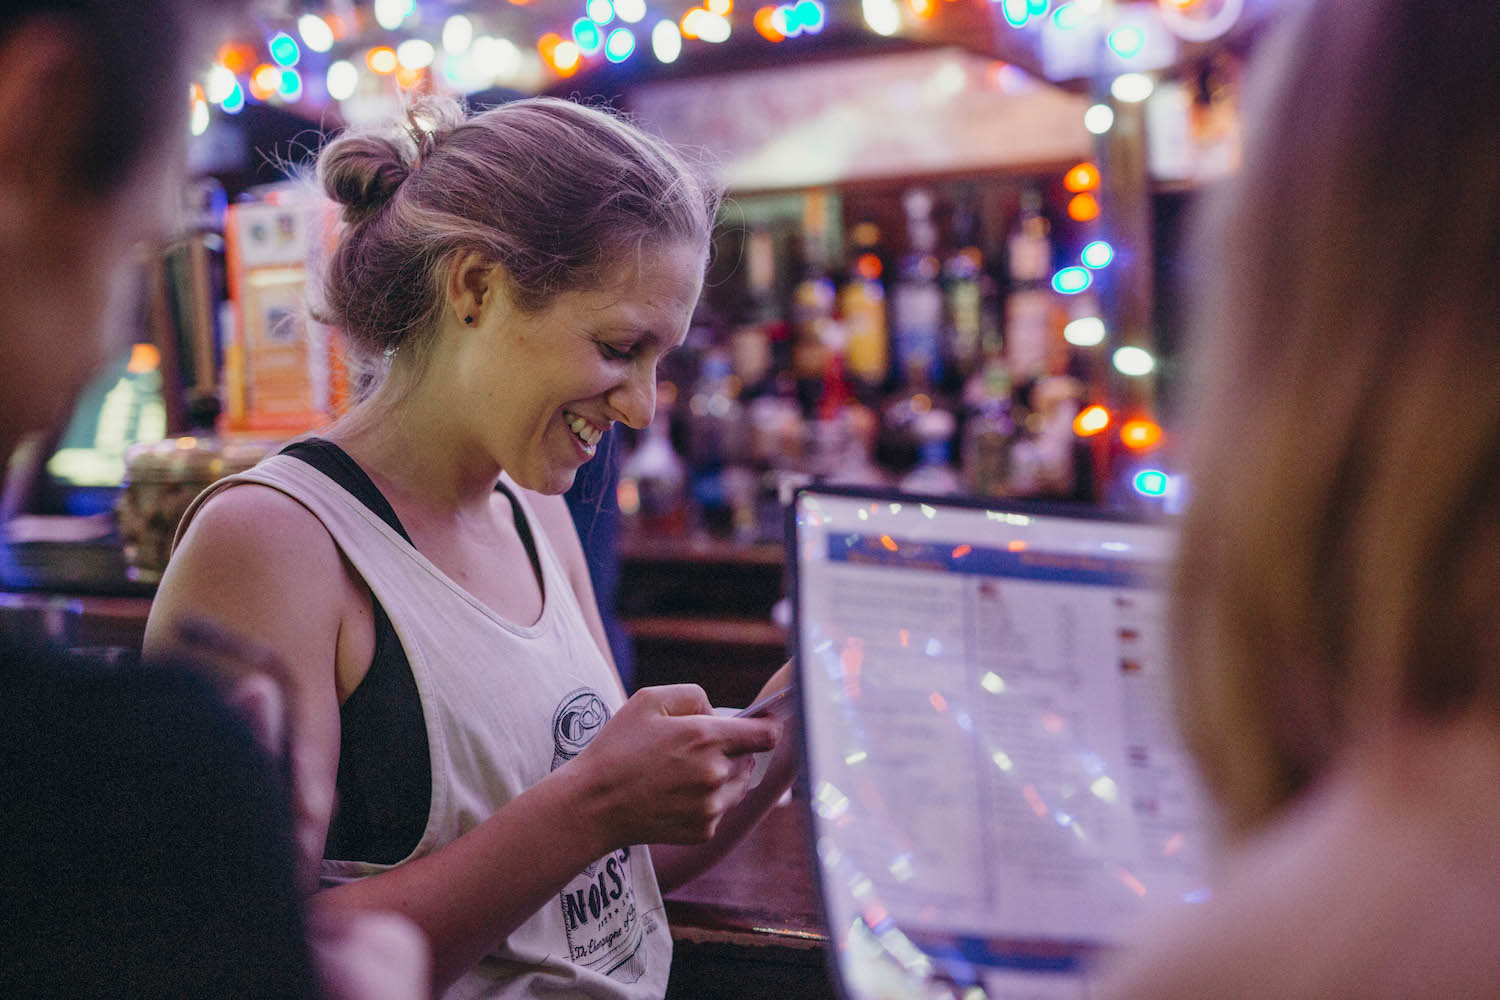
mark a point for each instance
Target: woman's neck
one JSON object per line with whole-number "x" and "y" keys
{"x": 1443, "y": 771}
{"x": 413, "y": 443}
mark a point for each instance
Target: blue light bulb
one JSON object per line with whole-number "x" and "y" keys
{"x": 586, "y": 34}
{"x": 1072, "y": 280}
{"x": 1097, "y": 254}
{"x": 284, "y": 50}
{"x": 620, "y": 45}
{"x": 1151, "y": 482}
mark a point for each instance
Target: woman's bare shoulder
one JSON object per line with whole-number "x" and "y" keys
{"x": 260, "y": 525}
{"x": 255, "y": 559}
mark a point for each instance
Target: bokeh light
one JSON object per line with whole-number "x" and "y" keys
{"x": 1140, "y": 435}
{"x": 883, "y": 16}
{"x": 381, "y": 59}
{"x": 1134, "y": 361}
{"x": 1090, "y": 421}
{"x": 1084, "y": 177}
{"x": 666, "y": 41}
{"x": 1083, "y": 208}
{"x": 283, "y": 49}
{"x": 1097, "y": 254}
{"x": 1071, "y": 280}
{"x": 458, "y": 34}
{"x": 1131, "y": 88}
{"x": 1086, "y": 331}
{"x": 619, "y": 45}
{"x": 342, "y": 80}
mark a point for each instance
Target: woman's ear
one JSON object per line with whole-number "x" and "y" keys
{"x": 474, "y": 286}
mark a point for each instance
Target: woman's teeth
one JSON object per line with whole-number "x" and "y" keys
{"x": 585, "y": 431}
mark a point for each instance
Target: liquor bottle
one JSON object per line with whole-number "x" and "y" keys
{"x": 862, "y": 305}
{"x": 989, "y": 432}
{"x": 715, "y": 433}
{"x": 1028, "y": 308}
{"x": 750, "y": 343}
{"x": 652, "y": 480}
{"x": 972, "y": 320}
{"x": 815, "y": 333}
{"x": 899, "y": 446}
{"x": 917, "y": 299}
{"x": 1029, "y": 245}
{"x": 934, "y": 473}
{"x": 1042, "y": 462}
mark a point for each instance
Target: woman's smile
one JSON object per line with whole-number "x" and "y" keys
{"x": 585, "y": 433}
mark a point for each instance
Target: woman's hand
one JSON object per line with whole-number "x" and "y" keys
{"x": 665, "y": 769}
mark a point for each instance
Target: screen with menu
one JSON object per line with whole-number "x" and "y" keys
{"x": 996, "y": 783}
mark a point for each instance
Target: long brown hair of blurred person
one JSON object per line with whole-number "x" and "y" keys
{"x": 1340, "y": 561}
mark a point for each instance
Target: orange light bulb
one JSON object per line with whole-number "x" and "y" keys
{"x": 566, "y": 58}
{"x": 1084, "y": 177}
{"x": 765, "y": 23}
{"x": 264, "y": 81}
{"x": 1140, "y": 434}
{"x": 1083, "y": 208}
{"x": 381, "y": 59}
{"x": 1091, "y": 421}
{"x": 237, "y": 57}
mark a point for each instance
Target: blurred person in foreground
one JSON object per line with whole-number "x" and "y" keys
{"x": 148, "y": 845}
{"x": 1337, "y": 638}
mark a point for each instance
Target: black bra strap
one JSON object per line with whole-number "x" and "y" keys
{"x": 335, "y": 463}
{"x": 524, "y": 530}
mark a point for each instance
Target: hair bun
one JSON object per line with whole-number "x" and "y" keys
{"x": 362, "y": 172}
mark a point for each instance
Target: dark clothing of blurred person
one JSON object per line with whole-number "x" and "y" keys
{"x": 148, "y": 847}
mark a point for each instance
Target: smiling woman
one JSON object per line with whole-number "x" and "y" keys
{"x": 544, "y": 385}
{"x": 509, "y": 282}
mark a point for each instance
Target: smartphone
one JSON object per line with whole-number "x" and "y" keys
{"x": 776, "y": 705}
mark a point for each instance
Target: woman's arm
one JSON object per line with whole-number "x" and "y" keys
{"x": 678, "y": 864}
{"x": 661, "y": 769}
{"x": 674, "y": 864}
{"x": 259, "y": 564}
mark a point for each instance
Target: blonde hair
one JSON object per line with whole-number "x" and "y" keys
{"x": 1340, "y": 559}
{"x": 556, "y": 193}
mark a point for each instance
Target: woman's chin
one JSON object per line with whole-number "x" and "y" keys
{"x": 550, "y": 482}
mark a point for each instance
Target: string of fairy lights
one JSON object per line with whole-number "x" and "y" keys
{"x": 316, "y": 58}
{"x": 374, "y": 52}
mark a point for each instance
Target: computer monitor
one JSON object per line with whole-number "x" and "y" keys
{"x": 996, "y": 786}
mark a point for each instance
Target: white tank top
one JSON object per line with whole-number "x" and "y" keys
{"x": 504, "y": 705}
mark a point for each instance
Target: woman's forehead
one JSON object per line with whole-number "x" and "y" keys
{"x": 665, "y": 281}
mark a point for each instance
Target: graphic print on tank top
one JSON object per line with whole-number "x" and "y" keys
{"x": 605, "y": 926}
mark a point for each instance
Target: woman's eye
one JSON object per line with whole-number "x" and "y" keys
{"x": 613, "y": 353}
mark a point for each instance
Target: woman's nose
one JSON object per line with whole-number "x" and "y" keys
{"x": 635, "y": 400}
